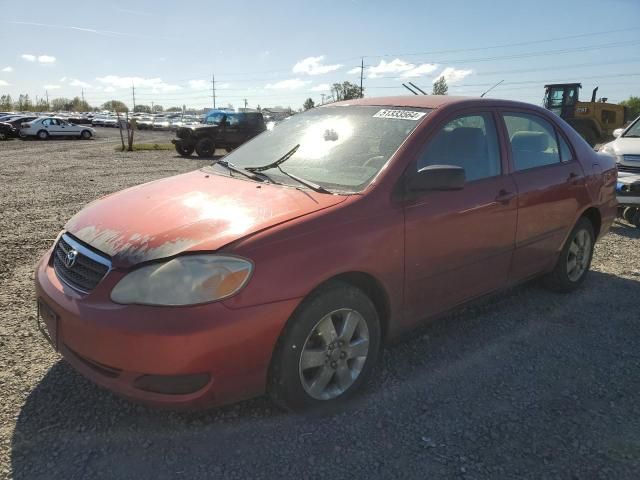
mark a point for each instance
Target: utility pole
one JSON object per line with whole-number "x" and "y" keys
{"x": 245, "y": 103}
{"x": 151, "y": 106}
{"x": 361, "y": 75}
{"x": 47, "y": 93}
{"x": 323, "y": 95}
{"x": 133, "y": 94}
{"x": 83, "y": 96}
{"x": 213, "y": 89}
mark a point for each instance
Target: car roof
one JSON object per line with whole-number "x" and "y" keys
{"x": 430, "y": 101}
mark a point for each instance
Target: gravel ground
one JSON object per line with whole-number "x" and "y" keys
{"x": 526, "y": 384}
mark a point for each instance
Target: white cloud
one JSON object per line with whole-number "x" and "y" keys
{"x": 420, "y": 70}
{"x": 40, "y": 58}
{"x": 314, "y": 66}
{"x": 109, "y": 89}
{"x": 156, "y": 85}
{"x": 51, "y": 87}
{"x": 354, "y": 70}
{"x": 79, "y": 83}
{"x": 452, "y": 75}
{"x": 290, "y": 84}
{"x": 63, "y": 79}
{"x": 4, "y": 84}
{"x": 223, "y": 85}
{"x": 198, "y": 84}
{"x": 405, "y": 69}
{"x": 7, "y": 69}
{"x": 323, "y": 87}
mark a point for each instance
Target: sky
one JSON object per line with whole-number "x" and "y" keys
{"x": 279, "y": 53}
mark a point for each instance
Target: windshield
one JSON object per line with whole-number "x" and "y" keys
{"x": 634, "y": 130}
{"x": 341, "y": 148}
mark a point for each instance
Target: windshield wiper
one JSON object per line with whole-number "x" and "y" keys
{"x": 313, "y": 186}
{"x": 243, "y": 171}
{"x": 282, "y": 159}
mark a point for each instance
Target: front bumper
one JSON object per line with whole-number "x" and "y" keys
{"x": 116, "y": 345}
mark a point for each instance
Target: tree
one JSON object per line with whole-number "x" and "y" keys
{"x": 157, "y": 109}
{"x": 6, "y": 103}
{"x": 115, "y": 105}
{"x": 23, "y": 104}
{"x": 308, "y": 104}
{"x": 346, "y": 91}
{"x": 142, "y": 108}
{"x": 173, "y": 109}
{"x": 633, "y": 104}
{"x": 440, "y": 87}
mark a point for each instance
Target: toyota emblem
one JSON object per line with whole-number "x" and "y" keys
{"x": 70, "y": 259}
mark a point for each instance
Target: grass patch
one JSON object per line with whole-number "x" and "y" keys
{"x": 141, "y": 147}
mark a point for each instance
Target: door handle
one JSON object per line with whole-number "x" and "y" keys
{"x": 504, "y": 196}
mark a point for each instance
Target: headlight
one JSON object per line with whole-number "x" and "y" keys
{"x": 185, "y": 280}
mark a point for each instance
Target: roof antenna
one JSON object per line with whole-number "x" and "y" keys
{"x": 409, "y": 88}
{"x": 418, "y": 88}
{"x": 481, "y": 96}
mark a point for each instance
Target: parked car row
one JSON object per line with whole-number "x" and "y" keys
{"x": 43, "y": 128}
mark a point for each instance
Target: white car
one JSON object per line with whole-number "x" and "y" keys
{"x": 45, "y": 127}
{"x": 626, "y": 147}
{"x": 161, "y": 123}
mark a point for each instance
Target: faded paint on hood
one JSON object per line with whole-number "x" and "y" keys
{"x": 189, "y": 212}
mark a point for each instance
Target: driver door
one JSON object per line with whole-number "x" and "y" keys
{"x": 459, "y": 243}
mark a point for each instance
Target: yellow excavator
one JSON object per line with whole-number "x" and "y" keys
{"x": 595, "y": 121}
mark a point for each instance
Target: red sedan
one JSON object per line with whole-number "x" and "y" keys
{"x": 284, "y": 266}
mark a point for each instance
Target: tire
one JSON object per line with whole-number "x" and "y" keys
{"x": 22, "y": 135}
{"x": 635, "y": 219}
{"x": 43, "y": 134}
{"x": 85, "y": 135}
{"x": 577, "y": 251}
{"x": 629, "y": 213}
{"x": 184, "y": 150}
{"x": 3, "y": 136}
{"x": 205, "y": 148}
{"x": 337, "y": 366}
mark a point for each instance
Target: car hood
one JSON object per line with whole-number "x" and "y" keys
{"x": 626, "y": 146}
{"x": 190, "y": 212}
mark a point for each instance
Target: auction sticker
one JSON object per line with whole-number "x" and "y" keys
{"x": 400, "y": 114}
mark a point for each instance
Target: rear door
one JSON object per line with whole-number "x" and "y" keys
{"x": 550, "y": 182}
{"x": 459, "y": 243}
{"x": 235, "y": 129}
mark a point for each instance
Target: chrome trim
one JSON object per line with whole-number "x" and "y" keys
{"x": 86, "y": 252}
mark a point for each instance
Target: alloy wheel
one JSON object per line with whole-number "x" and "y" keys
{"x": 334, "y": 354}
{"x": 579, "y": 255}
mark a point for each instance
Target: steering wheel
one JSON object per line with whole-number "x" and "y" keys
{"x": 378, "y": 158}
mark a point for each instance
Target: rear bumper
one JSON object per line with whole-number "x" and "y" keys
{"x": 223, "y": 353}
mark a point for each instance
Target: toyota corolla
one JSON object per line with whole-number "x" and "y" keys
{"x": 286, "y": 265}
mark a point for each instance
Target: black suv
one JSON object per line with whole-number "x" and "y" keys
{"x": 219, "y": 129}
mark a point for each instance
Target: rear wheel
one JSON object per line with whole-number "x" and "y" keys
{"x": 574, "y": 260}
{"x": 184, "y": 150}
{"x": 43, "y": 134}
{"x": 205, "y": 148}
{"x": 327, "y": 350}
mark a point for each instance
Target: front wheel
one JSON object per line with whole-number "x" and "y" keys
{"x": 574, "y": 260}
{"x": 327, "y": 350}
{"x": 85, "y": 135}
{"x": 184, "y": 150}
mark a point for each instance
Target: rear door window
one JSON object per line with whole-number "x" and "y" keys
{"x": 533, "y": 141}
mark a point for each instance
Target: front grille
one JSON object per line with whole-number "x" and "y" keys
{"x": 628, "y": 168}
{"x": 88, "y": 269}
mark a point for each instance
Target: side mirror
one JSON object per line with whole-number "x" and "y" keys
{"x": 437, "y": 177}
{"x": 618, "y": 132}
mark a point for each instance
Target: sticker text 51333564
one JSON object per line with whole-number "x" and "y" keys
{"x": 399, "y": 114}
